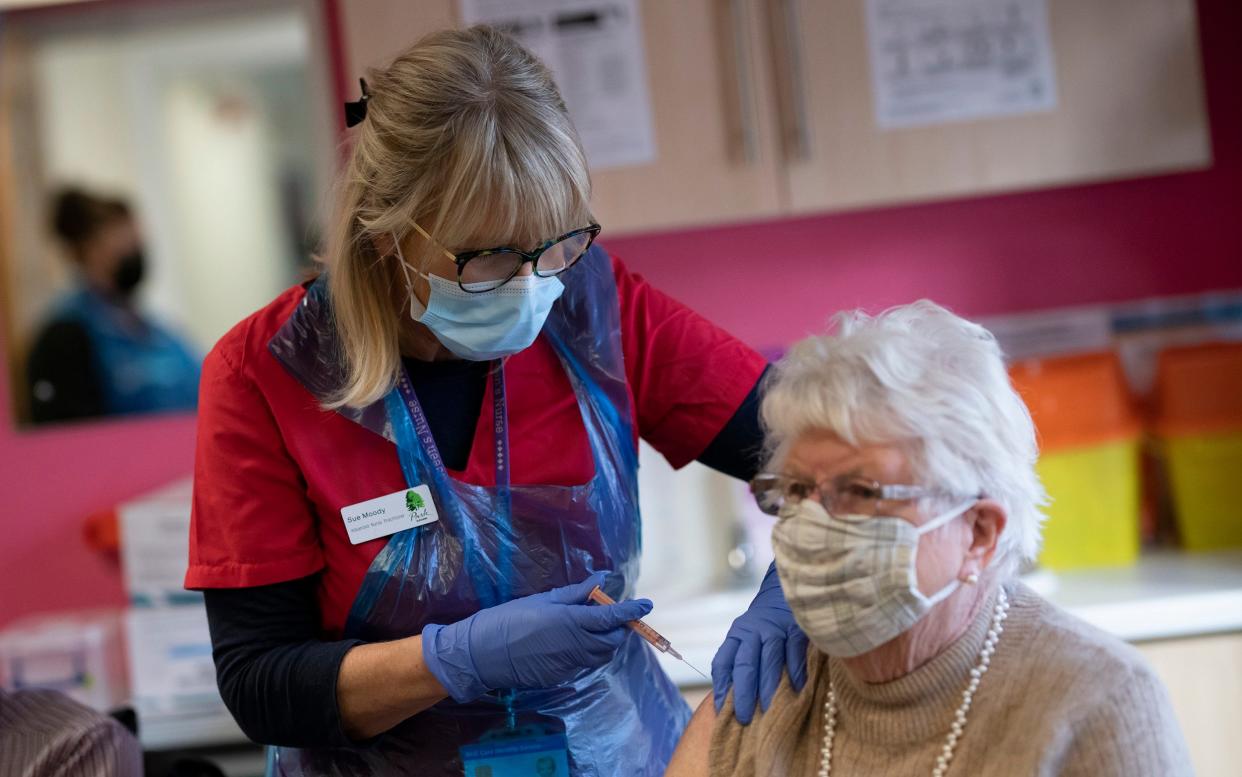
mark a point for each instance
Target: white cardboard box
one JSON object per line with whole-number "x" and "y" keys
{"x": 79, "y": 653}
{"x": 173, "y": 679}
{"x": 155, "y": 541}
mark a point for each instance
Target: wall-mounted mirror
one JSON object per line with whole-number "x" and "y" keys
{"x": 162, "y": 167}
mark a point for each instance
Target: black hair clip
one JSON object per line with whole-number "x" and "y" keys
{"x": 356, "y": 111}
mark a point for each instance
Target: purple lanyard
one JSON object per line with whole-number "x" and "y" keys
{"x": 500, "y": 424}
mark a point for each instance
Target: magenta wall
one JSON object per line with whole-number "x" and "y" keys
{"x": 769, "y": 283}
{"x": 51, "y": 480}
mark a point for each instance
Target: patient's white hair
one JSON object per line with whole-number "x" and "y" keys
{"x": 920, "y": 377}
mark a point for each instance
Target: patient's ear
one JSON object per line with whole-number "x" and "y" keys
{"x": 987, "y": 519}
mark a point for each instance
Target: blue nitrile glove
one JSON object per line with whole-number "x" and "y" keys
{"x": 762, "y": 642}
{"x": 537, "y": 641}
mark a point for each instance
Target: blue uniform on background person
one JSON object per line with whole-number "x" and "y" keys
{"x": 97, "y": 354}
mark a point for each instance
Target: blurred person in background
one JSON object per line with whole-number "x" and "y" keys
{"x": 98, "y": 354}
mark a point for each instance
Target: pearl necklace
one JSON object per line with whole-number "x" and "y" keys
{"x": 959, "y": 719}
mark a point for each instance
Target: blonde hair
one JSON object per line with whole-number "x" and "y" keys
{"x": 467, "y": 135}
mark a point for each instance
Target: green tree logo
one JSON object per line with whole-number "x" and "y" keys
{"x": 413, "y": 501}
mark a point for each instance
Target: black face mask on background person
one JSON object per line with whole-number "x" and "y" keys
{"x": 129, "y": 272}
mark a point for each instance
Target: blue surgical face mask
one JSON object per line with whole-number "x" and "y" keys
{"x": 485, "y": 325}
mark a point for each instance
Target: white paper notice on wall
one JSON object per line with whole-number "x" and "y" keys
{"x": 937, "y": 61}
{"x": 595, "y": 50}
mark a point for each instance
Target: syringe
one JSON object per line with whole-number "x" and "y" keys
{"x": 656, "y": 639}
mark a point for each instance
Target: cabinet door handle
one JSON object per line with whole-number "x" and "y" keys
{"x": 739, "y": 101}
{"x": 786, "y": 36}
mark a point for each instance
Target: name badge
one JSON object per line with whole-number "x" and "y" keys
{"x": 385, "y": 515}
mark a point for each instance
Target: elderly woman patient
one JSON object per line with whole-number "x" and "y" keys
{"x": 901, "y": 472}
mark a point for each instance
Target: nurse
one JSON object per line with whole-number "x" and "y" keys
{"x": 412, "y": 470}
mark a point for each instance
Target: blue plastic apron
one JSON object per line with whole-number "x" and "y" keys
{"x": 141, "y": 368}
{"x": 494, "y": 544}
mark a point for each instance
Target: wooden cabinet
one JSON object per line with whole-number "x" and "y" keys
{"x": 716, "y": 155}
{"x": 1129, "y": 102}
{"x": 715, "y": 131}
{"x": 1204, "y": 678}
{"x": 764, "y": 108}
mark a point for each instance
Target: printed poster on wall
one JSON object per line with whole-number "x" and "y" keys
{"x": 595, "y": 50}
{"x": 938, "y": 61}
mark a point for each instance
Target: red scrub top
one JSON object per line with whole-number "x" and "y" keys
{"x": 273, "y": 469}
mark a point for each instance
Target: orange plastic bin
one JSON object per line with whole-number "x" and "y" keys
{"x": 1198, "y": 418}
{"x": 1089, "y": 438}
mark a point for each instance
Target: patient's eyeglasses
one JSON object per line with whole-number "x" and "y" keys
{"x": 844, "y": 495}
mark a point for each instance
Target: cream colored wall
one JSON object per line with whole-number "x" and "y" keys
{"x": 79, "y": 88}
{"x": 144, "y": 114}
{"x": 223, "y": 230}
{"x": 82, "y": 89}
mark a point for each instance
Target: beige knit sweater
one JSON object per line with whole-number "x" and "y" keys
{"x": 1060, "y": 698}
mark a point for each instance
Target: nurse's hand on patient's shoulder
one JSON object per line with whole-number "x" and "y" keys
{"x": 537, "y": 641}
{"x": 762, "y": 643}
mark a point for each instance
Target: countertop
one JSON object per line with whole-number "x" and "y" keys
{"x": 1165, "y": 595}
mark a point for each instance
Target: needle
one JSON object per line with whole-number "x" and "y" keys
{"x": 656, "y": 639}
